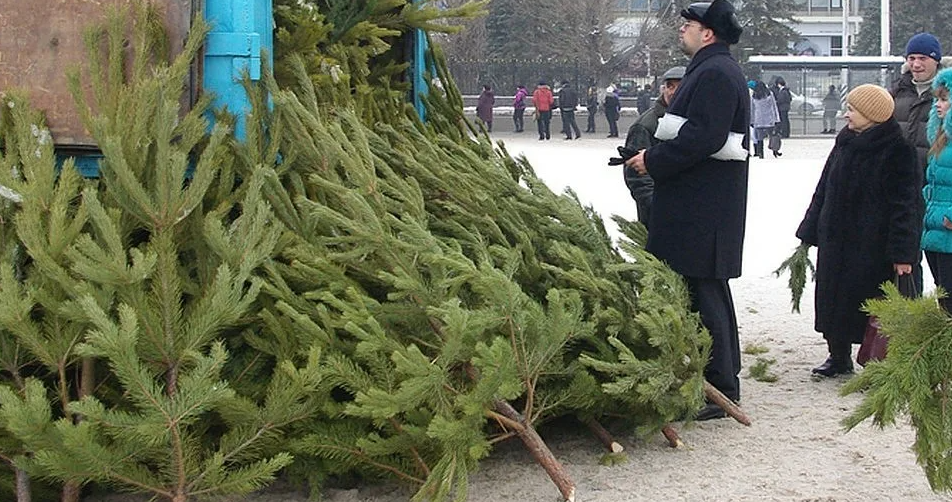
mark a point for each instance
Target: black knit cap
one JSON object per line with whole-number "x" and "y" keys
{"x": 718, "y": 16}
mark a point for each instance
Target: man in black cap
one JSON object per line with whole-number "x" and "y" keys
{"x": 700, "y": 174}
{"x": 641, "y": 136}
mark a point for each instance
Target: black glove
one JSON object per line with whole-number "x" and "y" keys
{"x": 625, "y": 153}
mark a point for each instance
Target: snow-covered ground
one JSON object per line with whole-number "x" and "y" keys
{"x": 795, "y": 450}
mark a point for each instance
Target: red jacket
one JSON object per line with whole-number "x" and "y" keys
{"x": 542, "y": 98}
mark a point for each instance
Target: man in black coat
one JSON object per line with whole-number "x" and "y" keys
{"x": 784, "y": 99}
{"x": 568, "y": 102}
{"x": 700, "y": 175}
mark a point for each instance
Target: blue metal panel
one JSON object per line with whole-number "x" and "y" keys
{"x": 240, "y": 30}
{"x": 418, "y": 70}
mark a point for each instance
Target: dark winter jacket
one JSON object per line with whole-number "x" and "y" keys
{"x": 568, "y": 99}
{"x": 865, "y": 216}
{"x": 641, "y": 137}
{"x": 592, "y": 104}
{"x": 484, "y": 106}
{"x": 700, "y": 170}
{"x": 644, "y": 101}
{"x": 912, "y": 113}
{"x": 612, "y": 106}
{"x": 831, "y": 102}
{"x": 783, "y": 98}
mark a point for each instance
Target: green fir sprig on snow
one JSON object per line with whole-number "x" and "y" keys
{"x": 797, "y": 264}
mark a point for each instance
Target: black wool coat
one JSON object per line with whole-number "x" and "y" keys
{"x": 699, "y": 208}
{"x": 866, "y": 215}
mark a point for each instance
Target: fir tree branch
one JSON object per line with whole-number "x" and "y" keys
{"x": 416, "y": 454}
{"x": 506, "y": 422}
{"x": 368, "y": 460}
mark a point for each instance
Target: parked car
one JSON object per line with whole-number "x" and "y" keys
{"x": 805, "y": 105}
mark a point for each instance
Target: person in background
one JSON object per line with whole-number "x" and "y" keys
{"x": 568, "y": 102}
{"x": 831, "y": 107}
{"x": 937, "y": 223}
{"x": 543, "y": 100}
{"x": 484, "y": 106}
{"x": 641, "y": 135}
{"x": 763, "y": 116}
{"x": 644, "y": 99}
{"x": 591, "y": 106}
{"x": 783, "y": 98}
{"x": 519, "y": 108}
{"x": 865, "y": 219}
{"x": 612, "y": 107}
{"x": 700, "y": 170}
{"x": 912, "y": 92}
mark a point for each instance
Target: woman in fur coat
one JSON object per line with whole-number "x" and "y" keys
{"x": 865, "y": 219}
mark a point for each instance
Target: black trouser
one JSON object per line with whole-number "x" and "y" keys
{"x": 569, "y": 125}
{"x": 941, "y": 266}
{"x": 712, "y": 299}
{"x": 613, "y": 126}
{"x": 544, "y": 119}
{"x": 518, "y": 119}
{"x": 591, "y": 120}
{"x": 785, "y": 124}
{"x": 644, "y": 210}
{"x": 759, "y": 149}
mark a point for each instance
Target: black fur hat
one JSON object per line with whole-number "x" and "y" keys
{"x": 718, "y": 16}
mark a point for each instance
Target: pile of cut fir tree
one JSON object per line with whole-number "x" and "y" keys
{"x": 347, "y": 293}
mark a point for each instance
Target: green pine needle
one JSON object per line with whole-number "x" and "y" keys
{"x": 797, "y": 264}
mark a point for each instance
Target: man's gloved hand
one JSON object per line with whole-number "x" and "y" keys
{"x": 625, "y": 155}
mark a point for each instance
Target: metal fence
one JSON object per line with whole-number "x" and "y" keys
{"x": 504, "y": 74}
{"x": 809, "y": 80}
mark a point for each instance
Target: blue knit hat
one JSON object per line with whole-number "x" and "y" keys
{"x": 925, "y": 44}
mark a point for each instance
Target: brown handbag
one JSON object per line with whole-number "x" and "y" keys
{"x": 875, "y": 344}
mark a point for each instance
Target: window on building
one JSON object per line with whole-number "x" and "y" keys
{"x": 819, "y": 5}
{"x": 800, "y": 5}
{"x": 836, "y": 46}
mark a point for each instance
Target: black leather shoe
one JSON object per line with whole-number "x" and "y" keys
{"x": 710, "y": 411}
{"x": 831, "y": 367}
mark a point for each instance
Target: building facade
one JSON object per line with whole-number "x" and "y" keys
{"x": 819, "y": 22}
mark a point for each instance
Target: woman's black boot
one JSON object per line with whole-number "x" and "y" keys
{"x": 834, "y": 366}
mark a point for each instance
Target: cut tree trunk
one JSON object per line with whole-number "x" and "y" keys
{"x": 715, "y": 396}
{"x": 539, "y": 451}
{"x": 604, "y": 436}
{"x": 534, "y": 443}
{"x": 671, "y": 434}
{"x": 24, "y": 491}
{"x": 71, "y": 491}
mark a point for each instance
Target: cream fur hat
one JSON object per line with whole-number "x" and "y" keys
{"x": 874, "y": 102}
